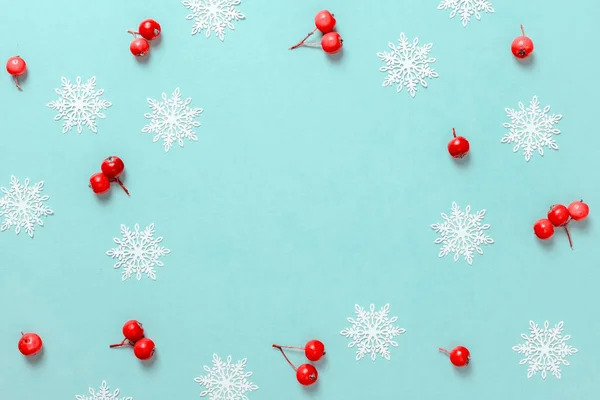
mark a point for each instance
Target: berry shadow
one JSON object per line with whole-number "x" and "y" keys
{"x": 312, "y": 389}
{"x": 148, "y": 364}
{"x": 583, "y": 226}
{"x": 465, "y": 372}
{"x": 36, "y": 360}
{"x": 156, "y": 42}
{"x": 337, "y": 57}
{"x": 144, "y": 60}
{"x": 463, "y": 162}
{"x": 526, "y": 62}
{"x": 103, "y": 198}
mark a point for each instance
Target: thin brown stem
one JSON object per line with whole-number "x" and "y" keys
{"x": 120, "y": 344}
{"x": 303, "y": 40}
{"x": 454, "y": 132}
{"x": 568, "y": 236}
{"x": 133, "y": 32}
{"x": 444, "y": 350}
{"x": 17, "y": 82}
{"x": 290, "y": 347}
{"x": 286, "y": 358}
{"x": 123, "y": 186}
{"x": 522, "y": 30}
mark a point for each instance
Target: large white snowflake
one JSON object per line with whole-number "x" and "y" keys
{"x": 22, "y": 206}
{"x": 226, "y": 381}
{"x": 407, "y": 65}
{"x": 545, "y": 349}
{"x": 79, "y": 105}
{"x": 138, "y": 252}
{"x": 531, "y": 128}
{"x": 172, "y": 120}
{"x": 213, "y": 15}
{"x": 372, "y": 332}
{"x": 466, "y": 8}
{"x": 462, "y": 233}
{"x": 103, "y": 394}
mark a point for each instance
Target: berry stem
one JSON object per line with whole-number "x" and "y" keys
{"x": 568, "y": 236}
{"x": 120, "y": 344}
{"x": 454, "y": 132}
{"x": 288, "y": 347}
{"x": 286, "y": 358}
{"x": 522, "y": 30}
{"x": 444, "y": 351}
{"x": 303, "y": 40}
{"x": 123, "y": 186}
{"x": 133, "y": 32}
{"x": 17, "y": 82}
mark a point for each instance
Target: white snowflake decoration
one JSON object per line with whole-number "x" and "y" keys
{"x": 138, "y": 252}
{"x": 372, "y": 332}
{"x": 79, "y": 105}
{"x": 466, "y": 9}
{"x": 531, "y": 128}
{"x": 226, "y": 381}
{"x": 213, "y": 15}
{"x": 545, "y": 349}
{"x": 22, "y": 206}
{"x": 462, "y": 233}
{"x": 407, "y": 65}
{"x": 103, "y": 394}
{"x": 172, "y": 120}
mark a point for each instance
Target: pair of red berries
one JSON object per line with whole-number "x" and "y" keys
{"x": 30, "y": 344}
{"x": 460, "y": 356}
{"x": 560, "y": 216}
{"x": 143, "y": 348}
{"x": 314, "y": 350}
{"x": 112, "y": 168}
{"x": 522, "y": 46}
{"x": 331, "y": 42}
{"x": 16, "y": 67}
{"x": 149, "y": 29}
{"x": 458, "y": 147}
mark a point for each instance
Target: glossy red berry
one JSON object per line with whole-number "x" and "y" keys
{"x": 139, "y": 47}
{"x": 578, "y": 210}
{"x": 460, "y": 356}
{"x": 331, "y": 42}
{"x": 458, "y": 147}
{"x": 558, "y": 215}
{"x": 522, "y": 46}
{"x": 543, "y": 229}
{"x": 99, "y": 183}
{"x": 144, "y": 349}
{"x": 325, "y": 21}
{"x": 112, "y": 167}
{"x": 133, "y": 330}
{"x": 30, "y": 344}
{"x": 16, "y": 67}
{"x": 314, "y": 350}
{"x": 149, "y": 29}
{"x": 307, "y": 374}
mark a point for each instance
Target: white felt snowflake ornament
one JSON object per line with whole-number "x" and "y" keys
{"x": 466, "y": 9}
{"x": 103, "y": 393}
{"x": 213, "y": 16}
{"x": 22, "y": 206}
{"x": 226, "y": 380}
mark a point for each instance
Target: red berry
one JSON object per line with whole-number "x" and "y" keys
{"x": 314, "y": 350}
{"x": 139, "y": 47}
{"x": 331, "y": 42}
{"x": 325, "y": 21}
{"x": 307, "y": 374}
{"x": 144, "y": 349}
{"x": 16, "y": 66}
{"x": 543, "y": 229}
{"x": 460, "y": 356}
{"x": 112, "y": 167}
{"x": 458, "y": 147}
{"x": 99, "y": 183}
{"x": 30, "y": 344}
{"x": 558, "y": 215}
{"x": 133, "y": 330}
{"x": 578, "y": 210}
{"x": 522, "y": 46}
{"x": 149, "y": 29}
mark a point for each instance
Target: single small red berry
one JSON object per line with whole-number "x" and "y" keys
{"x": 558, "y": 215}
{"x": 112, "y": 167}
{"x": 460, "y": 356}
{"x": 133, "y": 330}
{"x": 139, "y": 47}
{"x": 99, "y": 183}
{"x": 578, "y": 210}
{"x": 522, "y": 46}
{"x": 325, "y": 21}
{"x": 307, "y": 374}
{"x": 149, "y": 29}
{"x": 144, "y": 349}
{"x": 30, "y": 344}
{"x": 458, "y": 147}
{"x": 16, "y": 67}
{"x": 543, "y": 229}
{"x": 331, "y": 42}
{"x": 314, "y": 350}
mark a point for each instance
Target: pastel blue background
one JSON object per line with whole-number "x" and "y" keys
{"x": 311, "y": 189}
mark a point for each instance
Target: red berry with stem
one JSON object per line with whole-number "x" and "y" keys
{"x": 113, "y": 167}
{"x": 99, "y": 183}
{"x": 139, "y": 47}
{"x": 459, "y": 356}
{"x": 314, "y": 350}
{"x": 332, "y": 42}
{"x": 325, "y": 21}
{"x": 149, "y": 29}
{"x": 144, "y": 349}
{"x": 578, "y": 210}
{"x": 30, "y": 344}
{"x": 16, "y": 67}
{"x": 522, "y": 46}
{"x": 306, "y": 374}
{"x": 133, "y": 330}
{"x": 558, "y": 215}
{"x": 458, "y": 147}
{"x": 543, "y": 229}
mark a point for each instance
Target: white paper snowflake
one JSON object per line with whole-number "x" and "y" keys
{"x": 22, "y": 206}
{"x": 531, "y": 128}
{"x": 172, "y": 120}
{"x": 103, "y": 394}
{"x": 372, "y": 332}
{"x": 545, "y": 349}
{"x": 79, "y": 105}
{"x": 138, "y": 252}
{"x": 462, "y": 233}
{"x": 213, "y": 15}
{"x": 226, "y": 381}
{"x": 407, "y": 65}
{"x": 466, "y": 9}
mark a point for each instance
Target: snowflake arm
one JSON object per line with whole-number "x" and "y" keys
{"x": 226, "y": 380}
{"x": 103, "y": 393}
{"x": 466, "y": 9}
{"x": 213, "y": 16}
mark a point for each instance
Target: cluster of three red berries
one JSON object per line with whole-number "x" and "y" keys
{"x": 149, "y": 29}
{"x": 306, "y": 374}
{"x": 112, "y": 167}
{"x": 143, "y": 348}
{"x": 561, "y": 216}
{"x": 331, "y": 42}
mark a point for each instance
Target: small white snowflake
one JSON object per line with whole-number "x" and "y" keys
{"x": 138, "y": 252}
{"x": 213, "y": 15}
{"x": 466, "y": 8}
{"x": 545, "y": 349}
{"x": 531, "y": 128}
{"x": 172, "y": 120}
{"x": 407, "y": 65}
{"x": 22, "y": 206}
{"x": 226, "y": 381}
{"x": 79, "y": 105}
{"x": 372, "y": 332}
{"x": 462, "y": 233}
{"x": 103, "y": 394}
